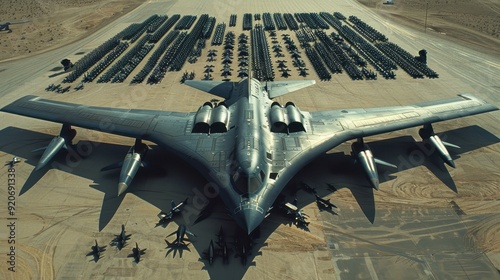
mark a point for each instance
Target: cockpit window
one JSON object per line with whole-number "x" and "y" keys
{"x": 254, "y": 184}
{"x": 240, "y": 181}
{"x": 245, "y": 184}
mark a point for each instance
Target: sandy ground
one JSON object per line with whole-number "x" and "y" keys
{"x": 62, "y": 208}
{"x": 475, "y": 23}
{"x": 54, "y": 23}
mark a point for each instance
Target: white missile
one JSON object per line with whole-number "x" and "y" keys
{"x": 427, "y": 134}
{"x": 63, "y": 140}
{"x": 130, "y": 165}
{"x": 443, "y": 152}
{"x": 365, "y": 157}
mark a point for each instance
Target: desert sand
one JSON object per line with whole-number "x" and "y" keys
{"x": 426, "y": 221}
{"x": 474, "y": 23}
{"x": 54, "y": 23}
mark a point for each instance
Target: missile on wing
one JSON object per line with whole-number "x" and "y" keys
{"x": 443, "y": 152}
{"x": 63, "y": 140}
{"x": 365, "y": 157}
{"x": 131, "y": 163}
{"x": 129, "y": 166}
{"x": 427, "y": 134}
{"x": 55, "y": 145}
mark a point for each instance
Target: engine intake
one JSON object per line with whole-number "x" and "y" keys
{"x": 295, "y": 121}
{"x": 211, "y": 120}
{"x": 219, "y": 119}
{"x": 286, "y": 120}
{"x": 202, "y": 119}
{"x": 278, "y": 119}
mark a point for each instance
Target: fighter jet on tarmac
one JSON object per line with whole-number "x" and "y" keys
{"x": 137, "y": 253}
{"x": 181, "y": 231}
{"x": 325, "y": 203}
{"x": 11, "y": 163}
{"x": 164, "y": 217}
{"x": 303, "y": 71}
{"x": 121, "y": 239}
{"x": 96, "y": 251}
{"x": 79, "y": 86}
{"x": 249, "y": 145}
{"x": 298, "y": 215}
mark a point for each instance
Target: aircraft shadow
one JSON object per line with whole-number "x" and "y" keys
{"x": 144, "y": 186}
{"x": 155, "y": 187}
{"x": 207, "y": 230}
{"x": 340, "y": 171}
{"x": 57, "y": 74}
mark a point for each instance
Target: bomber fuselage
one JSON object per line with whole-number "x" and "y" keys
{"x": 248, "y": 191}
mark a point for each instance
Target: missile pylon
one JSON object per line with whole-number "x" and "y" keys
{"x": 427, "y": 134}
{"x": 63, "y": 140}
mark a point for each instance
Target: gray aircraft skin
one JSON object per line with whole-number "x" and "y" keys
{"x": 249, "y": 146}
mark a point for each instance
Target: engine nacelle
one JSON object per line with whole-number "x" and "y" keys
{"x": 202, "y": 119}
{"x": 286, "y": 120}
{"x": 278, "y": 119}
{"x": 295, "y": 120}
{"x": 219, "y": 119}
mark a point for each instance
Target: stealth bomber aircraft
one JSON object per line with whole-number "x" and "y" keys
{"x": 249, "y": 146}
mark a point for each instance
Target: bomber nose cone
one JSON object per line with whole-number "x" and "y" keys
{"x": 249, "y": 219}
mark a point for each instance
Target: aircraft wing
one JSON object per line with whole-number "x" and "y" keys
{"x": 131, "y": 123}
{"x": 224, "y": 89}
{"x": 218, "y": 88}
{"x": 171, "y": 130}
{"x": 279, "y": 88}
{"x": 210, "y": 153}
{"x": 327, "y": 129}
{"x": 358, "y": 123}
